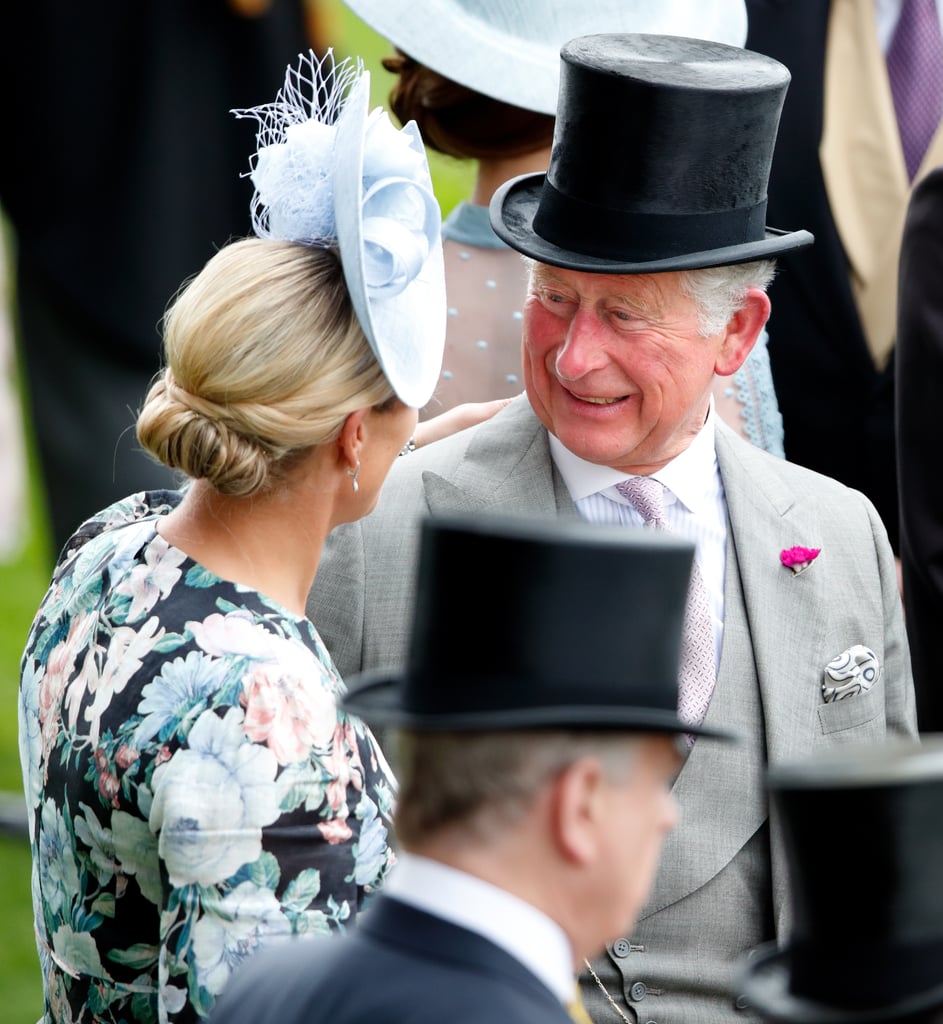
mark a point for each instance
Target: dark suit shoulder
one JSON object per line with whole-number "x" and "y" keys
{"x": 402, "y": 966}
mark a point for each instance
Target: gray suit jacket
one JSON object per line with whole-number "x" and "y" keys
{"x": 721, "y": 885}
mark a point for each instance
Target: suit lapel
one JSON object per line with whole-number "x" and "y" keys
{"x": 718, "y": 774}
{"x": 766, "y": 517}
{"x": 767, "y": 627}
{"x": 506, "y": 468}
{"x": 863, "y": 167}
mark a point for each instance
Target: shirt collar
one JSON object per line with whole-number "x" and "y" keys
{"x": 689, "y": 476}
{"x": 518, "y": 927}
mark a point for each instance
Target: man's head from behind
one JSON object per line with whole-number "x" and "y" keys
{"x": 570, "y": 821}
{"x": 657, "y": 178}
{"x": 538, "y": 709}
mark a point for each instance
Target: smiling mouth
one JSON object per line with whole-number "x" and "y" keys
{"x": 598, "y": 401}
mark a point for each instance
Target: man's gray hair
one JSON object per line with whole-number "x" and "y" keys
{"x": 719, "y": 292}
{"x": 479, "y": 784}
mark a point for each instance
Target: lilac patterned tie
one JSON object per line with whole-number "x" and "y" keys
{"x": 698, "y": 669}
{"x": 915, "y": 70}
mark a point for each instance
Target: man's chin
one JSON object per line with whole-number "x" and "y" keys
{"x": 599, "y": 451}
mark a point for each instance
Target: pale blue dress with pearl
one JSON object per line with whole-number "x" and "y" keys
{"x": 486, "y": 283}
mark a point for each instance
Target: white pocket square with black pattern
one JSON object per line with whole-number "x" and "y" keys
{"x": 852, "y": 672}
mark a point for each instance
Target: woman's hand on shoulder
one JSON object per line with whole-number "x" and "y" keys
{"x": 458, "y": 418}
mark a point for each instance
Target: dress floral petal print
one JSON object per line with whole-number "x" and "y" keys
{"x": 193, "y": 789}
{"x": 219, "y": 787}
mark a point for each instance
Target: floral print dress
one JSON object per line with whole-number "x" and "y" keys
{"x": 193, "y": 789}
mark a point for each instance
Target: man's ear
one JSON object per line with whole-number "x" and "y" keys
{"x": 351, "y": 438}
{"x": 742, "y": 330}
{"x": 577, "y": 809}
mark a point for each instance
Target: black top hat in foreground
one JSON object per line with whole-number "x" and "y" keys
{"x": 863, "y": 827}
{"x": 537, "y": 624}
{"x": 660, "y": 159}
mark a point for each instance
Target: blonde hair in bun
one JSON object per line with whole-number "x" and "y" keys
{"x": 264, "y": 358}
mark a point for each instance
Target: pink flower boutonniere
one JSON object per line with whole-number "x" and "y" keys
{"x": 798, "y": 559}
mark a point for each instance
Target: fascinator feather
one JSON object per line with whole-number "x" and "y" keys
{"x": 328, "y": 172}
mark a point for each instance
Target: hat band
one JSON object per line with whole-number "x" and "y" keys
{"x": 627, "y": 235}
{"x": 518, "y": 692}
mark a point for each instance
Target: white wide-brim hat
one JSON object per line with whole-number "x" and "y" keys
{"x": 389, "y": 235}
{"x": 328, "y": 172}
{"x": 510, "y": 49}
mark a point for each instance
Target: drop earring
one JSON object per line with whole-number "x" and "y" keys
{"x": 353, "y": 474}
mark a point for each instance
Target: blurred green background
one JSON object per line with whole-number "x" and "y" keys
{"x": 23, "y": 581}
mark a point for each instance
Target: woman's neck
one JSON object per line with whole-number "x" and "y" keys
{"x": 271, "y": 543}
{"x": 495, "y": 171}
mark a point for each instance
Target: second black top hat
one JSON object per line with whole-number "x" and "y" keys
{"x": 863, "y": 832}
{"x": 523, "y": 624}
{"x": 660, "y": 159}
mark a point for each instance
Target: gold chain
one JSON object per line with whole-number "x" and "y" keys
{"x": 605, "y": 992}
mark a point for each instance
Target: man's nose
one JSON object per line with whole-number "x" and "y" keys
{"x": 582, "y": 349}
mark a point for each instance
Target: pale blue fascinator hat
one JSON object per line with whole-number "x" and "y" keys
{"x": 329, "y": 172}
{"x": 510, "y": 49}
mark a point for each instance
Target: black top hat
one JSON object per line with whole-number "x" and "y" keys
{"x": 537, "y": 624}
{"x": 660, "y": 159}
{"x": 863, "y": 828}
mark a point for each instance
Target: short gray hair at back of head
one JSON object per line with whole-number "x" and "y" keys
{"x": 481, "y": 783}
{"x": 719, "y": 292}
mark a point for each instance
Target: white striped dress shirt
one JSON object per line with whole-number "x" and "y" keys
{"x": 695, "y": 506}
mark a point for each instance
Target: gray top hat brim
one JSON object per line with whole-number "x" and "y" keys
{"x": 764, "y": 980}
{"x": 376, "y": 697}
{"x": 514, "y": 206}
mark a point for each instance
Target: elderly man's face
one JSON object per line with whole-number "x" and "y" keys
{"x": 615, "y": 366}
